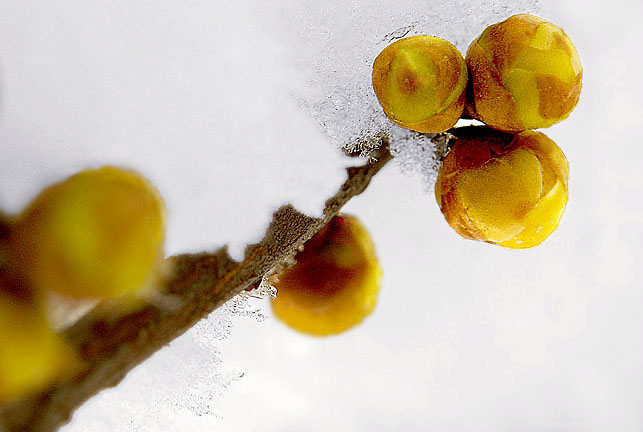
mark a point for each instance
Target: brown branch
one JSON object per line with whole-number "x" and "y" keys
{"x": 112, "y": 343}
{"x": 5, "y": 227}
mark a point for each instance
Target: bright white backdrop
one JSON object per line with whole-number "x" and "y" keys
{"x": 466, "y": 336}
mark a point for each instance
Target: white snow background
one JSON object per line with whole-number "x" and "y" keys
{"x": 234, "y": 108}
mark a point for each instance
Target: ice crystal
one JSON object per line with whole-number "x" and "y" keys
{"x": 241, "y": 305}
{"x": 418, "y": 154}
{"x": 336, "y": 43}
{"x": 186, "y": 377}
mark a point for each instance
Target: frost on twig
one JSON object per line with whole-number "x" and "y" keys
{"x": 112, "y": 343}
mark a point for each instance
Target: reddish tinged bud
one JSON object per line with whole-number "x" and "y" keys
{"x": 525, "y": 74}
{"x": 334, "y": 283}
{"x": 501, "y": 188}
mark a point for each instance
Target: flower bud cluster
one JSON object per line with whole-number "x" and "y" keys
{"x": 503, "y": 183}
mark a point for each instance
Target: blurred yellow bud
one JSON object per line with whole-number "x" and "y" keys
{"x": 97, "y": 234}
{"x": 502, "y": 188}
{"x": 420, "y": 82}
{"x": 32, "y": 356}
{"x": 334, "y": 283}
{"x": 525, "y": 74}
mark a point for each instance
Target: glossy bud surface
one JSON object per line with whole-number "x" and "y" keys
{"x": 420, "y": 81}
{"x": 501, "y": 188}
{"x": 525, "y": 74}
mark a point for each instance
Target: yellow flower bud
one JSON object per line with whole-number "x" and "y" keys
{"x": 97, "y": 234}
{"x": 525, "y": 74}
{"x": 502, "y": 188}
{"x": 334, "y": 283}
{"x": 420, "y": 82}
{"x": 32, "y": 356}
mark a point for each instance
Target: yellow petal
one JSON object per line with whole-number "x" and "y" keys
{"x": 542, "y": 220}
{"x": 496, "y": 196}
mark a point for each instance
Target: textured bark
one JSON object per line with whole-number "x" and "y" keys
{"x": 111, "y": 342}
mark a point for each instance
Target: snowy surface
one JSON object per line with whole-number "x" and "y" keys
{"x": 187, "y": 93}
{"x": 206, "y": 101}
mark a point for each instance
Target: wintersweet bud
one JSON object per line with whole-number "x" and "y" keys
{"x": 334, "y": 283}
{"x": 420, "y": 82}
{"x": 32, "y": 356}
{"x": 502, "y": 188}
{"x": 97, "y": 234}
{"x": 525, "y": 74}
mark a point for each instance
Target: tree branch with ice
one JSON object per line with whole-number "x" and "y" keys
{"x": 111, "y": 343}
